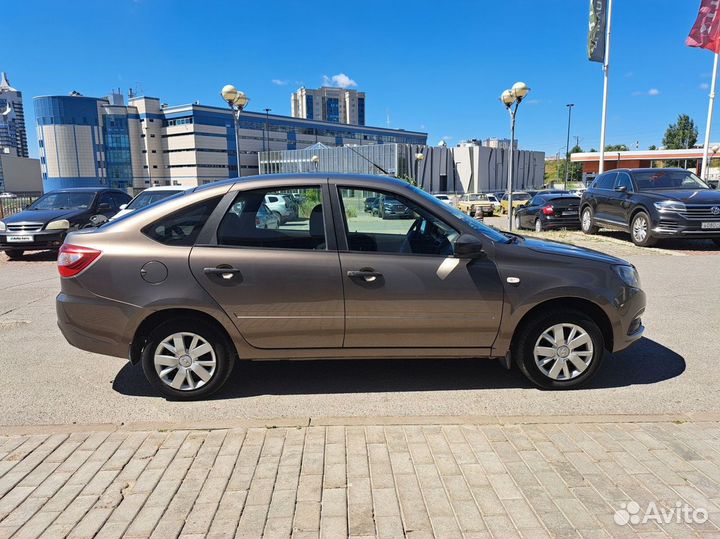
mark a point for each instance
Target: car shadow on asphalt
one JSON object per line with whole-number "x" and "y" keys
{"x": 668, "y": 243}
{"x": 36, "y": 256}
{"x": 647, "y": 362}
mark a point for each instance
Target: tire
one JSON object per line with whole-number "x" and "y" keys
{"x": 587, "y": 221}
{"x": 517, "y": 222}
{"x": 221, "y": 352}
{"x": 640, "y": 230}
{"x": 716, "y": 241}
{"x": 571, "y": 376}
{"x": 14, "y": 254}
{"x": 538, "y": 225}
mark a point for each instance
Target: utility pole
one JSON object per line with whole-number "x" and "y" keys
{"x": 567, "y": 145}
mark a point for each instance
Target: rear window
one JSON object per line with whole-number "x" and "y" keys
{"x": 183, "y": 226}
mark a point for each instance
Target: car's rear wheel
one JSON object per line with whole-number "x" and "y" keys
{"x": 187, "y": 359}
{"x": 559, "y": 349}
{"x": 517, "y": 222}
{"x": 587, "y": 221}
{"x": 716, "y": 241}
{"x": 14, "y": 254}
{"x": 538, "y": 225}
{"x": 640, "y": 230}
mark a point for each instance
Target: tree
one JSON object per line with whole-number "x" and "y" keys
{"x": 680, "y": 135}
{"x": 575, "y": 169}
{"x": 616, "y": 148}
{"x": 652, "y": 147}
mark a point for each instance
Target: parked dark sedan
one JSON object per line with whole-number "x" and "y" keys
{"x": 545, "y": 211}
{"x": 652, "y": 203}
{"x": 391, "y": 208}
{"x": 369, "y": 204}
{"x": 45, "y": 222}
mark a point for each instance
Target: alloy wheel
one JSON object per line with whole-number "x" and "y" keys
{"x": 538, "y": 225}
{"x": 185, "y": 361}
{"x": 563, "y": 351}
{"x": 586, "y": 220}
{"x": 640, "y": 229}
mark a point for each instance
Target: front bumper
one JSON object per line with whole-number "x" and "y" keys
{"x": 674, "y": 225}
{"x": 628, "y": 327}
{"x": 42, "y": 239}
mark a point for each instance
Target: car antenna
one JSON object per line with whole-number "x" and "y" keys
{"x": 369, "y": 161}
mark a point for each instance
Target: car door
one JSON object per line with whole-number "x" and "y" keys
{"x": 403, "y": 287}
{"x": 619, "y": 199}
{"x": 280, "y": 285}
{"x": 602, "y": 194}
{"x": 528, "y": 213}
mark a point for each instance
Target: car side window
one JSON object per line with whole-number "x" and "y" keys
{"x": 183, "y": 226}
{"x": 107, "y": 198}
{"x": 623, "y": 180}
{"x": 275, "y": 218}
{"x": 394, "y": 225}
{"x": 119, "y": 199}
{"x": 605, "y": 181}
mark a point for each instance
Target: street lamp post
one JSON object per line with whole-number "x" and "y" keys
{"x": 267, "y": 130}
{"x": 237, "y": 101}
{"x": 567, "y": 146}
{"x": 419, "y": 156}
{"x": 513, "y": 96}
{"x": 315, "y": 161}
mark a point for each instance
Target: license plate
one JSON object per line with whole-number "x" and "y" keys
{"x": 20, "y": 238}
{"x": 712, "y": 225}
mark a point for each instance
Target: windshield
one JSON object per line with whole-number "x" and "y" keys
{"x": 521, "y": 196}
{"x": 63, "y": 201}
{"x": 491, "y": 233}
{"x": 149, "y": 197}
{"x": 668, "y": 179}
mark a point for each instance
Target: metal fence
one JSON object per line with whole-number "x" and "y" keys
{"x": 9, "y": 206}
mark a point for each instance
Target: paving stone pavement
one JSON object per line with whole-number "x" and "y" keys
{"x": 540, "y": 479}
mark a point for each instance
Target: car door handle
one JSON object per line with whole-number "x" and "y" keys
{"x": 368, "y": 274}
{"x": 224, "y": 272}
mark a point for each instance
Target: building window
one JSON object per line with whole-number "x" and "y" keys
{"x": 309, "y": 107}
{"x": 332, "y": 110}
{"x": 152, "y": 136}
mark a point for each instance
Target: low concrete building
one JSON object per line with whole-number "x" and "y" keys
{"x": 437, "y": 169}
{"x": 19, "y": 175}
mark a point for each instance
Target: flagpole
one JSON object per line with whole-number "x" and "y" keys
{"x": 606, "y": 70}
{"x": 706, "y": 147}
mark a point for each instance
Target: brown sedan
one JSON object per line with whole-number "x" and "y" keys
{"x": 191, "y": 284}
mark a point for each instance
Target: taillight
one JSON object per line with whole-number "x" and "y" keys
{"x": 73, "y": 259}
{"x": 548, "y": 210}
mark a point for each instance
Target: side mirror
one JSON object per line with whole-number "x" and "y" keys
{"x": 122, "y": 206}
{"x": 621, "y": 189}
{"x": 104, "y": 206}
{"x": 468, "y": 246}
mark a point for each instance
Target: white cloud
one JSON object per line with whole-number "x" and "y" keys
{"x": 279, "y": 82}
{"x": 704, "y": 86}
{"x": 446, "y": 138}
{"x": 341, "y": 80}
{"x": 651, "y": 92}
{"x": 533, "y": 101}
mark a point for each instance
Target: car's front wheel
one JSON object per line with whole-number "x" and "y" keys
{"x": 587, "y": 221}
{"x": 559, "y": 349}
{"x": 187, "y": 359}
{"x": 14, "y": 254}
{"x": 640, "y": 230}
{"x": 517, "y": 222}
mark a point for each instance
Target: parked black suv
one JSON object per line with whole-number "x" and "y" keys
{"x": 650, "y": 204}
{"x": 45, "y": 222}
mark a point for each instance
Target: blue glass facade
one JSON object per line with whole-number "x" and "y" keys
{"x": 361, "y": 110}
{"x": 118, "y": 163}
{"x": 309, "y": 107}
{"x": 332, "y": 109}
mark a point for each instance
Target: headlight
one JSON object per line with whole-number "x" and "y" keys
{"x": 60, "y": 224}
{"x": 3, "y": 228}
{"x": 628, "y": 275}
{"x": 670, "y": 205}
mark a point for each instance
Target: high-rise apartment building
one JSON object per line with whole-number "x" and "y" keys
{"x": 329, "y": 104}
{"x": 88, "y": 141}
{"x": 13, "y": 137}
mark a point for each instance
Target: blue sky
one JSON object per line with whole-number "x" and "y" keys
{"x": 425, "y": 65}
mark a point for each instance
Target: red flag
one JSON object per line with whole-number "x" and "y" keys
{"x": 705, "y": 32}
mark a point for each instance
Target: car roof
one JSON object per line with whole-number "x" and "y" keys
{"x": 168, "y": 188}
{"x": 85, "y": 190}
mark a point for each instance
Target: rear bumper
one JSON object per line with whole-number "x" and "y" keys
{"x": 43, "y": 239}
{"x": 561, "y": 222}
{"x": 96, "y": 324}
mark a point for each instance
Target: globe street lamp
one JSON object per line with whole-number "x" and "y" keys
{"x": 315, "y": 161}
{"x": 513, "y": 96}
{"x": 237, "y": 101}
{"x": 419, "y": 156}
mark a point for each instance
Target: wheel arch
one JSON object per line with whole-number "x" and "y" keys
{"x": 164, "y": 315}
{"x": 593, "y": 310}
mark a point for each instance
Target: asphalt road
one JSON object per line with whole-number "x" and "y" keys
{"x": 674, "y": 369}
